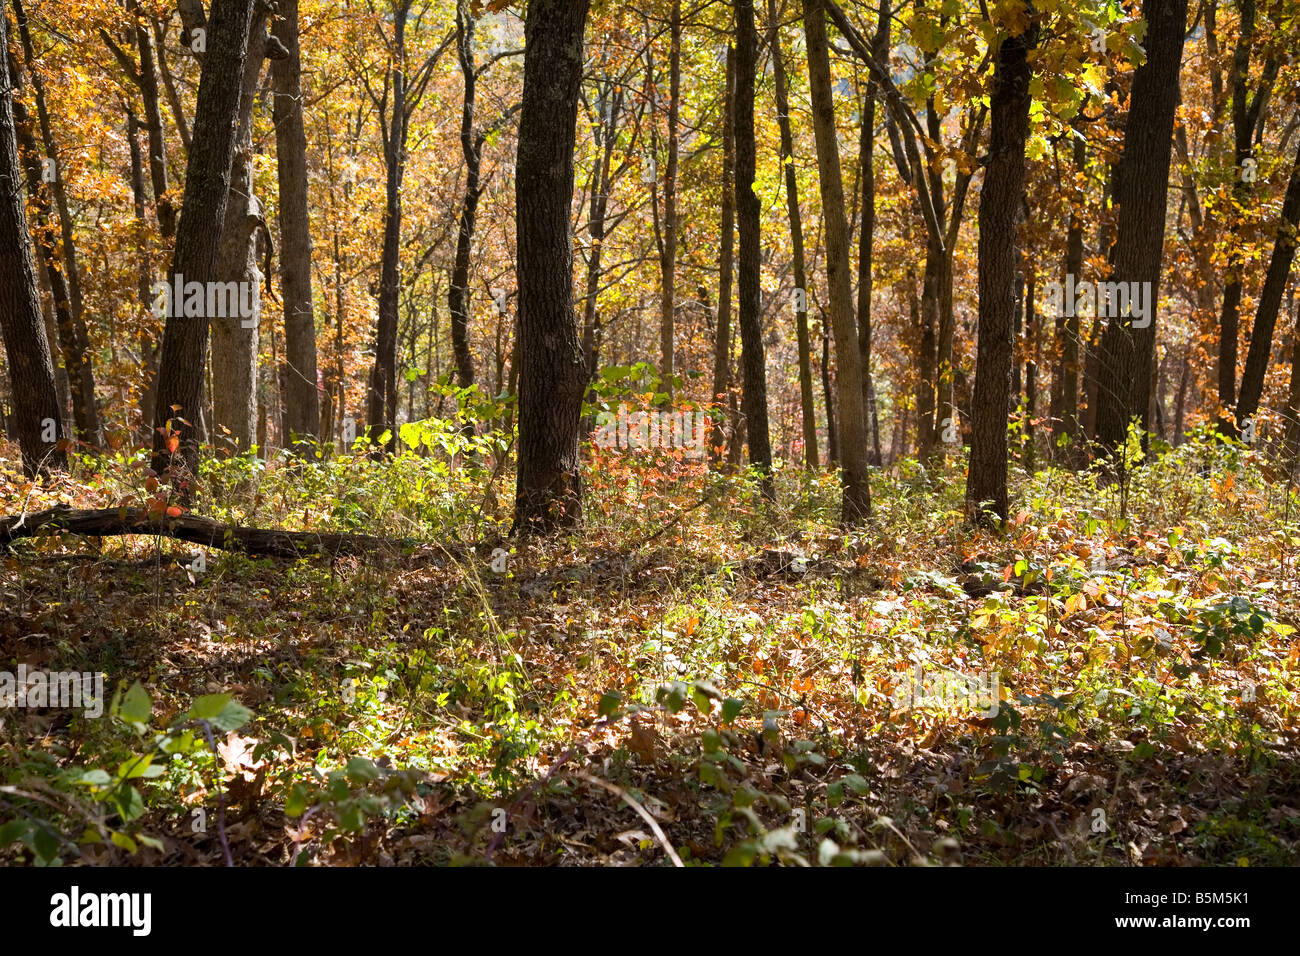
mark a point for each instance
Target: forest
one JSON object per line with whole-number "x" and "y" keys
{"x": 660, "y": 433}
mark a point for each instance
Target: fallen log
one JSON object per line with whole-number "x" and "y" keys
{"x": 266, "y": 542}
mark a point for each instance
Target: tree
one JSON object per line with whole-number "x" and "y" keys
{"x": 806, "y": 405}
{"x": 64, "y": 273}
{"x": 852, "y": 424}
{"x": 748, "y": 216}
{"x": 207, "y": 188}
{"x": 1001, "y": 202}
{"x": 298, "y": 370}
{"x": 726, "y": 267}
{"x": 1141, "y": 184}
{"x": 552, "y": 373}
{"x": 31, "y": 369}
{"x": 1270, "y": 300}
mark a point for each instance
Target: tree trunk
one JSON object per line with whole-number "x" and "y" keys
{"x": 552, "y": 373}
{"x": 458, "y": 297}
{"x": 147, "y": 341}
{"x": 1247, "y": 113}
{"x": 1270, "y": 300}
{"x": 668, "y": 246}
{"x": 301, "y": 397}
{"x": 235, "y": 339}
{"x": 74, "y": 341}
{"x": 1141, "y": 182}
{"x": 381, "y": 405}
{"x": 1065, "y": 377}
{"x": 852, "y": 425}
{"x": 31, "y": 369}
{"x": 867, "y": 237}
{"x": 748, "y": 216}
{"x": 726, "y": 265}
{"x": 207, "y": 188}
{"x": 1001, "y": 203}
{"x": 807, "y": 405}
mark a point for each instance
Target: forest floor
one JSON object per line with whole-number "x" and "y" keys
{"x": 1111, "y": 680}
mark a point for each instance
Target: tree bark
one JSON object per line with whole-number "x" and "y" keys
{"x": 207, "y": 188}
{"x": 471, "y": 146}
{"x": 1067, "y": 436}
{"x": 668, "y": 246}
{"x": 552, "y": 373}
{"x": 718, "y": 436}
{"x": 867, "y": 237}
{"x": 74, "y": 340}
{"x": 1270, "y": 300}
{"x": 1141, "y": 184}
{"x": 852, "y": 425}
{"x": 301, "y": 397}
{"x": 235, "y": 339}
{"x": 1001, "y": 204}
{"x": 809, "y": 409}
{"x": 748, "y": 215}
{"x": 381, "y": 405}
{"x": 31, "y": 368}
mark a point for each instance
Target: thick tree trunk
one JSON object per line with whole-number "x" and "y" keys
{"x": 31, "y": 369}
{"x": 301, "y": 397}
{"x": 552, "y": 373}
{"x": 235, "y": 338}
{"x": 1270, "y": 300}
{"x": 722, "y": 398}
{"x": 748, "y": 216}
{"x": 853, "y": 433}
{"x": 1140, "y": 191}
{"x": 1001, "y": 203}
{"x": 207, "y": 188}
{"x": 807, "y": 405}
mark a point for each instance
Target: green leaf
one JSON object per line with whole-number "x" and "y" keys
{"x": 136, "y": 707}
{"x": 95, "y": 778}
{"x": 360, "y": 770}
{"x": 124, "y": 841}
{"x": 731, "y": 709}
{"x": 609, "y": 703}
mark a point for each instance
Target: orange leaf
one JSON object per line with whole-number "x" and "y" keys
{"x": 173, "y": 512}
{"x": 173, "y": 443}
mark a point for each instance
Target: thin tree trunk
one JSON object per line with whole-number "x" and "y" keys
{"x": 73, "y": 337}
{"x": 668, "y": 248}
{"x": 722, "y": 397}
{"x": 867, "y": 236}
{"x": 853, "y": 433}
{"x": 748, "y": 216}
{"x": 807, "y": 405}
{"x": 1270, "y": 300}
{"x": 301, "y": 395}
{"x": 381, "y": 405}
{"x": 458, "y": 296}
